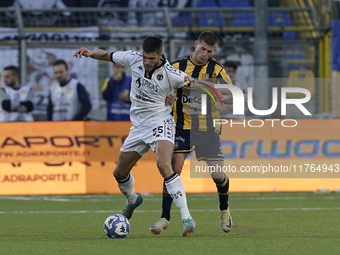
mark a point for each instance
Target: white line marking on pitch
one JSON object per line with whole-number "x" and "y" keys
{"x": 105, "y": 199}
{"x": 158, "y": 211}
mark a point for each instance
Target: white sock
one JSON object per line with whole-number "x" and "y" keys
{"x": 126, "y": 187}
{"x": 175, "y": 188}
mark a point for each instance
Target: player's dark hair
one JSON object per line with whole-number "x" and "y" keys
{"x": 61, "y": 62}
{"x": 208, "y": 37}
{"x": 14, "y": 69}
{"x": 152, "y": 44}
{"x": 231, "y": 64}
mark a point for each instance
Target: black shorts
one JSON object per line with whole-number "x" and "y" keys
{"x": 182, "y": 141}
{"x": 206, "y": 144}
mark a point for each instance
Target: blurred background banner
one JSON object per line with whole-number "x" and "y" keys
{"x": 39, "y": 178}
{"x": 39, "y": 70}
{"x": 336, "y": 67}
{"x": 309, "y": 150}
{"x": 30, "y": 178}
{"x": 41, "y": 76}
{"x": 336, "y": 45}
{"x": 79, "y": 157}
{"x": 63, "y": 141}
{"x": 86, "y": 34}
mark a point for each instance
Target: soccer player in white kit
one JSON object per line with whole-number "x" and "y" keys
{"x": 16, "y": 101}
{"x": 153, "y": 125}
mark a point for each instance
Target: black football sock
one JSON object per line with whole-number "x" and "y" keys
{"x": 223, "y": 193}
{"x": 166, "y": 204}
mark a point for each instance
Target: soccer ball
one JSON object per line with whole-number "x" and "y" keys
{"x": 116, "y": 226}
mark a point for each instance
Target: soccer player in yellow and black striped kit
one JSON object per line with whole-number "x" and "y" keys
{"x": 204, "y": 136}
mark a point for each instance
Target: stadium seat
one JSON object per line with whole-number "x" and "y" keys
{"x": 275, "y": 19}
{"x": 294, "y": 53}
{"x": 234, "y": 3}
{"x": 209, "y": 19}
{"x": 243, "y": 19}
{"x": 281, "y": 19}
{"x": 289, "y": 35}
{"x": 206, "y": 4}
{"x": 183, "y": 19}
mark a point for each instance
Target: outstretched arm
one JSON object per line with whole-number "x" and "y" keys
{"x": 96, "y": 54}
{"x": 225, "y": 94}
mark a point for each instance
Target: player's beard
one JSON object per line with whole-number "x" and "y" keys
{"x": 62, "y": 80}
{"x": 12, "y": 84}
{"x": 150, "y": 68}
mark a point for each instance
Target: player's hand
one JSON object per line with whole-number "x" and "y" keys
{"x": 170, "y": 99}
{"x": 22, "y": 109}
{"x": 220, "y": 94}
{"x": 82, "y": 52}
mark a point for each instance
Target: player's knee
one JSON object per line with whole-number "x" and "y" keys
{"x": 163, "y": 165}
{"x": 177, "y": 168}
{"x": 118, "y": 174}
{"x": 218, "y": 178}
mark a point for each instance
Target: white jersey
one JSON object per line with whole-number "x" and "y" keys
{"x": 148, "y": 94}
{"x": 17, "y": 95}
{"x": 65, "y": 100}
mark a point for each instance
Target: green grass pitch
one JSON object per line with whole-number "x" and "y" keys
{"x": 264, "y": 223}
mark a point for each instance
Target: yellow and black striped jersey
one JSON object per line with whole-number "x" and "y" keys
{"x": 211, "y": 70}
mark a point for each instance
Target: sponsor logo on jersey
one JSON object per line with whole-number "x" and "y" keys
{"x": 147, "y": 84}
{"x": 191, "y": 99}
{"x": 205, "y": 76}
{"x": 180, "y": 138}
